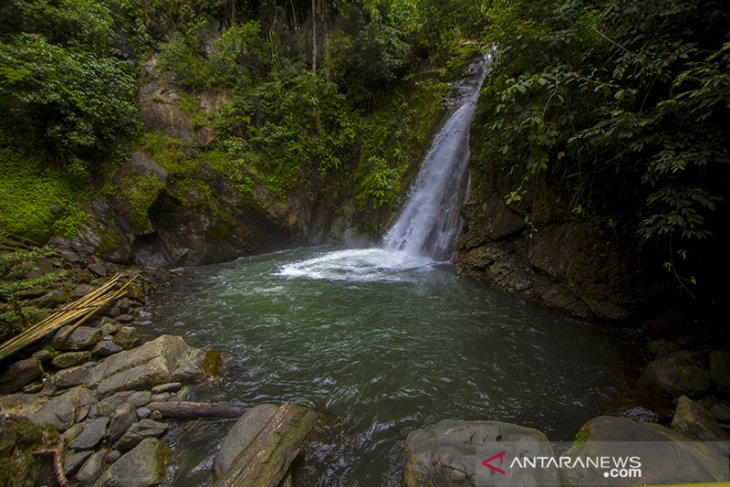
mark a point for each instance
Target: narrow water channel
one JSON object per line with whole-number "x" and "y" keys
{"x": 387, "y": 343}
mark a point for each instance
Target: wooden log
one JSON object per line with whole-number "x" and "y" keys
{"x": 266, "y": 460}
{"x": 195, "y": 410}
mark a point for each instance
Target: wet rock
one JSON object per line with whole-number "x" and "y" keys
{"x": 145, "y": 428}
{"x": 654, "y": 444}
{"x": 123, "y": 418}
{"x": 60, "y": 411}
{"x": 72, "y": 377}
{"x": 110, "y": 328}
{"x": 82, "y": 338}
{"x": 165, "y": 359}
{"x": 32, "y": 388}
{"x": 93, "y": 432}
{"x": 185, "y": 394}
{"x": 673, "y": 377}
{"x": 125, "y": 318}
{"x": 169, "y": 387}
{"x": 19, "y": 374}
{"x": 127, "y": 337}
{"x": 91, "y": 469}
{"x": 696, "y": 422}
{"x": 69, "y": 359}
{"x": 240, "y": 435}
{"x": 720, "y": 372}
{"x": 82, "y": 290}
{"x": 449, "y": 453}
{"x": 73, "y": 461}
{"x": 19, "y": 467}
{"x": 45, "y": 355}
{"x": 135, "y": 292}
{"x": 141, "y": 467}
{"x": 98, "y": 268}
{"x": 105, "y": 348}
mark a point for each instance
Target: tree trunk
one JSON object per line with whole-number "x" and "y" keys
{"x": 266, "y": 460}
{"x": 195, "y": 410}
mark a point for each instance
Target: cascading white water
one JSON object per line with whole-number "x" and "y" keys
{"x": 430, "y": 220}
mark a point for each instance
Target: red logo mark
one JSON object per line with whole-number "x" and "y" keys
{"x": 487, "y": 463}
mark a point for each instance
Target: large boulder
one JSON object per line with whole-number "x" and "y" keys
{"x": 665, "y": 456}
{"x": 165, "y": 359}
{"x": 470, "y": 453}
{"x": 675, "y": 376}
{"x": 240, "y": 435}
{"x": 82, "y": 338}
{"x": 720, "y": 372}
{"x": 696, "y": 422}
{"x": 19, "y": 374}
{"x": 19, "y": 438}
{"x": 143, "y": 466}
{"x": 64, "y": 410}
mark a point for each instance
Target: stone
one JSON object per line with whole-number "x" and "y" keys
{"x": 51, "y": 299}
{"x": 450, "y": 452}
{"x": 69, "y": 359}
{"x": 240, "y": 435}
{"x": 185, "y": 394}
{"x": 124, "y": 416}
{"x": 661, "y": 348}
{"x": 162, "y": 397}
{"x": 73, "y": 461}
{"x": 721, "y": 412}
{"x": 696, "y": 422}
{"x": 60, "y": 411}
{"x": 105, "y": 348}
{"x": 127, "y": 337}
{"x": 93, "y": 432}
{"x": 169, "y": 387}
{"x": 82, "y": 338}
{"x": 19, "y": 467}
{"x": 110, "y": 327}
{"x": 19, "y": 374}
{"x": 140, "y": 398}
{"x": 125, "y": 318}
{"x": 143, "y": 412}
{"x": 70, "y": 377}
{"x": 107, "y": 406}
{"x": 98, "y": 268}
{"x": 673, "y": 377}
{"x": 143, "y": 466}
{"x": 165, "y": 359}
{"x": 91, "y": 469}
{"x": 145, "y": 428}
{"x": 82, "y": 290}
{"x": 45, "y": 355}
{"x": 112, "y": 457}
{"x": 73, "y": 431}
{"x": 608, "y": 436}
{"x": 156, "y": 415}
{"x": 720, "y": 372}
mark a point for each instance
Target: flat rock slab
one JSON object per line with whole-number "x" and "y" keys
{"x": 138, "y": 432}
{"x": 143, "y": 466}
{"x": 93, "y": 432}
{"x": 452, "y": 452}
{"x": 61, "y": 411}
{"x": 19, "y": 374}
{"x": 82, "y": 338}
{"x": 666, "y": 456}
{"x": 165, "y": 359}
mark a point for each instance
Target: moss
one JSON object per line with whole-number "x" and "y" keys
{"x": 37, "y": 201}
{"x": 18, "y": 439}
{"x": 141, "y": 193}
{"x": 212, "y": 364}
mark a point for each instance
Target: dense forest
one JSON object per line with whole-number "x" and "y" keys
{"x": 612, "y": 112}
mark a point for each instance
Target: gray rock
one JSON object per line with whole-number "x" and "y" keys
{"x": 696, "y": 422}
{"x": 93, "y": 432}
{"x": 107, "y": 406}
{"x": 72, "y": 377}
{"x": 143, "y": 413}
{"x": 32, "y": 388}
{"x": 145, "y": 428}
{"x": 156, "y": 415}
{"x": 125, "y": 318}
{"x": 72, "y": 462}
{"x": 51, "y": 299}
{"x": 82, "y": 290}
{"x": 98, "y": 268}
{"x": 69, "y": 359}
{"x": 673, "y": 377}
{"x": 607, "y": 436}
{"x": 45, "y": 355}
{"x": 73, "y": 431}
{"x": 124, "y": 416}
{"x": 140, "y": 398}
{"x": 720, "y": 372}
{"x": 162, "y": 397}
{"x": 185, "y": 394}
{"x": 105, "y": 348}
{"x": 19, "y": 374}
{"x": 169, "y": 387}
{"x": 165, "y": 359}
{"x": 82, "y": 338}
{"x": 60, "y": 411}
{"x": 451, "y": 453}
{"x": 143, "y": 466}
{"x": 112, "y": 457}
{"x": 91, "y": 469}
{"x": 127, "y": 337}
{"x": 240, "y": 435}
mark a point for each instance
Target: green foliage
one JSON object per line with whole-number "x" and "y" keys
{"x": 35, "y": 200}
{"x": 588, "y": 98}
{"x": 380, "y": 185}
{"x": 141, "y": 193}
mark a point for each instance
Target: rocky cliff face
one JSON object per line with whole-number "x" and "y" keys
{"x": 566, "y": 265}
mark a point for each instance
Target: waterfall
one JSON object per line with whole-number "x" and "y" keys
{"x": 430, "y": 220}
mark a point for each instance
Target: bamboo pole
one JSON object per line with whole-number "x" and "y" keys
{"x": 76, "y": 313}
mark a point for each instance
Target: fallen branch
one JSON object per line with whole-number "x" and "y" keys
{"x": 57, "y": 454}
{"x": 195, "y": 410}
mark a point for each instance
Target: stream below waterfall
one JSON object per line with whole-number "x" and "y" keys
{"x": 387, "y": 343}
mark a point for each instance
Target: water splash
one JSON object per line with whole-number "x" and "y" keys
{"x": 430, "y": 220}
